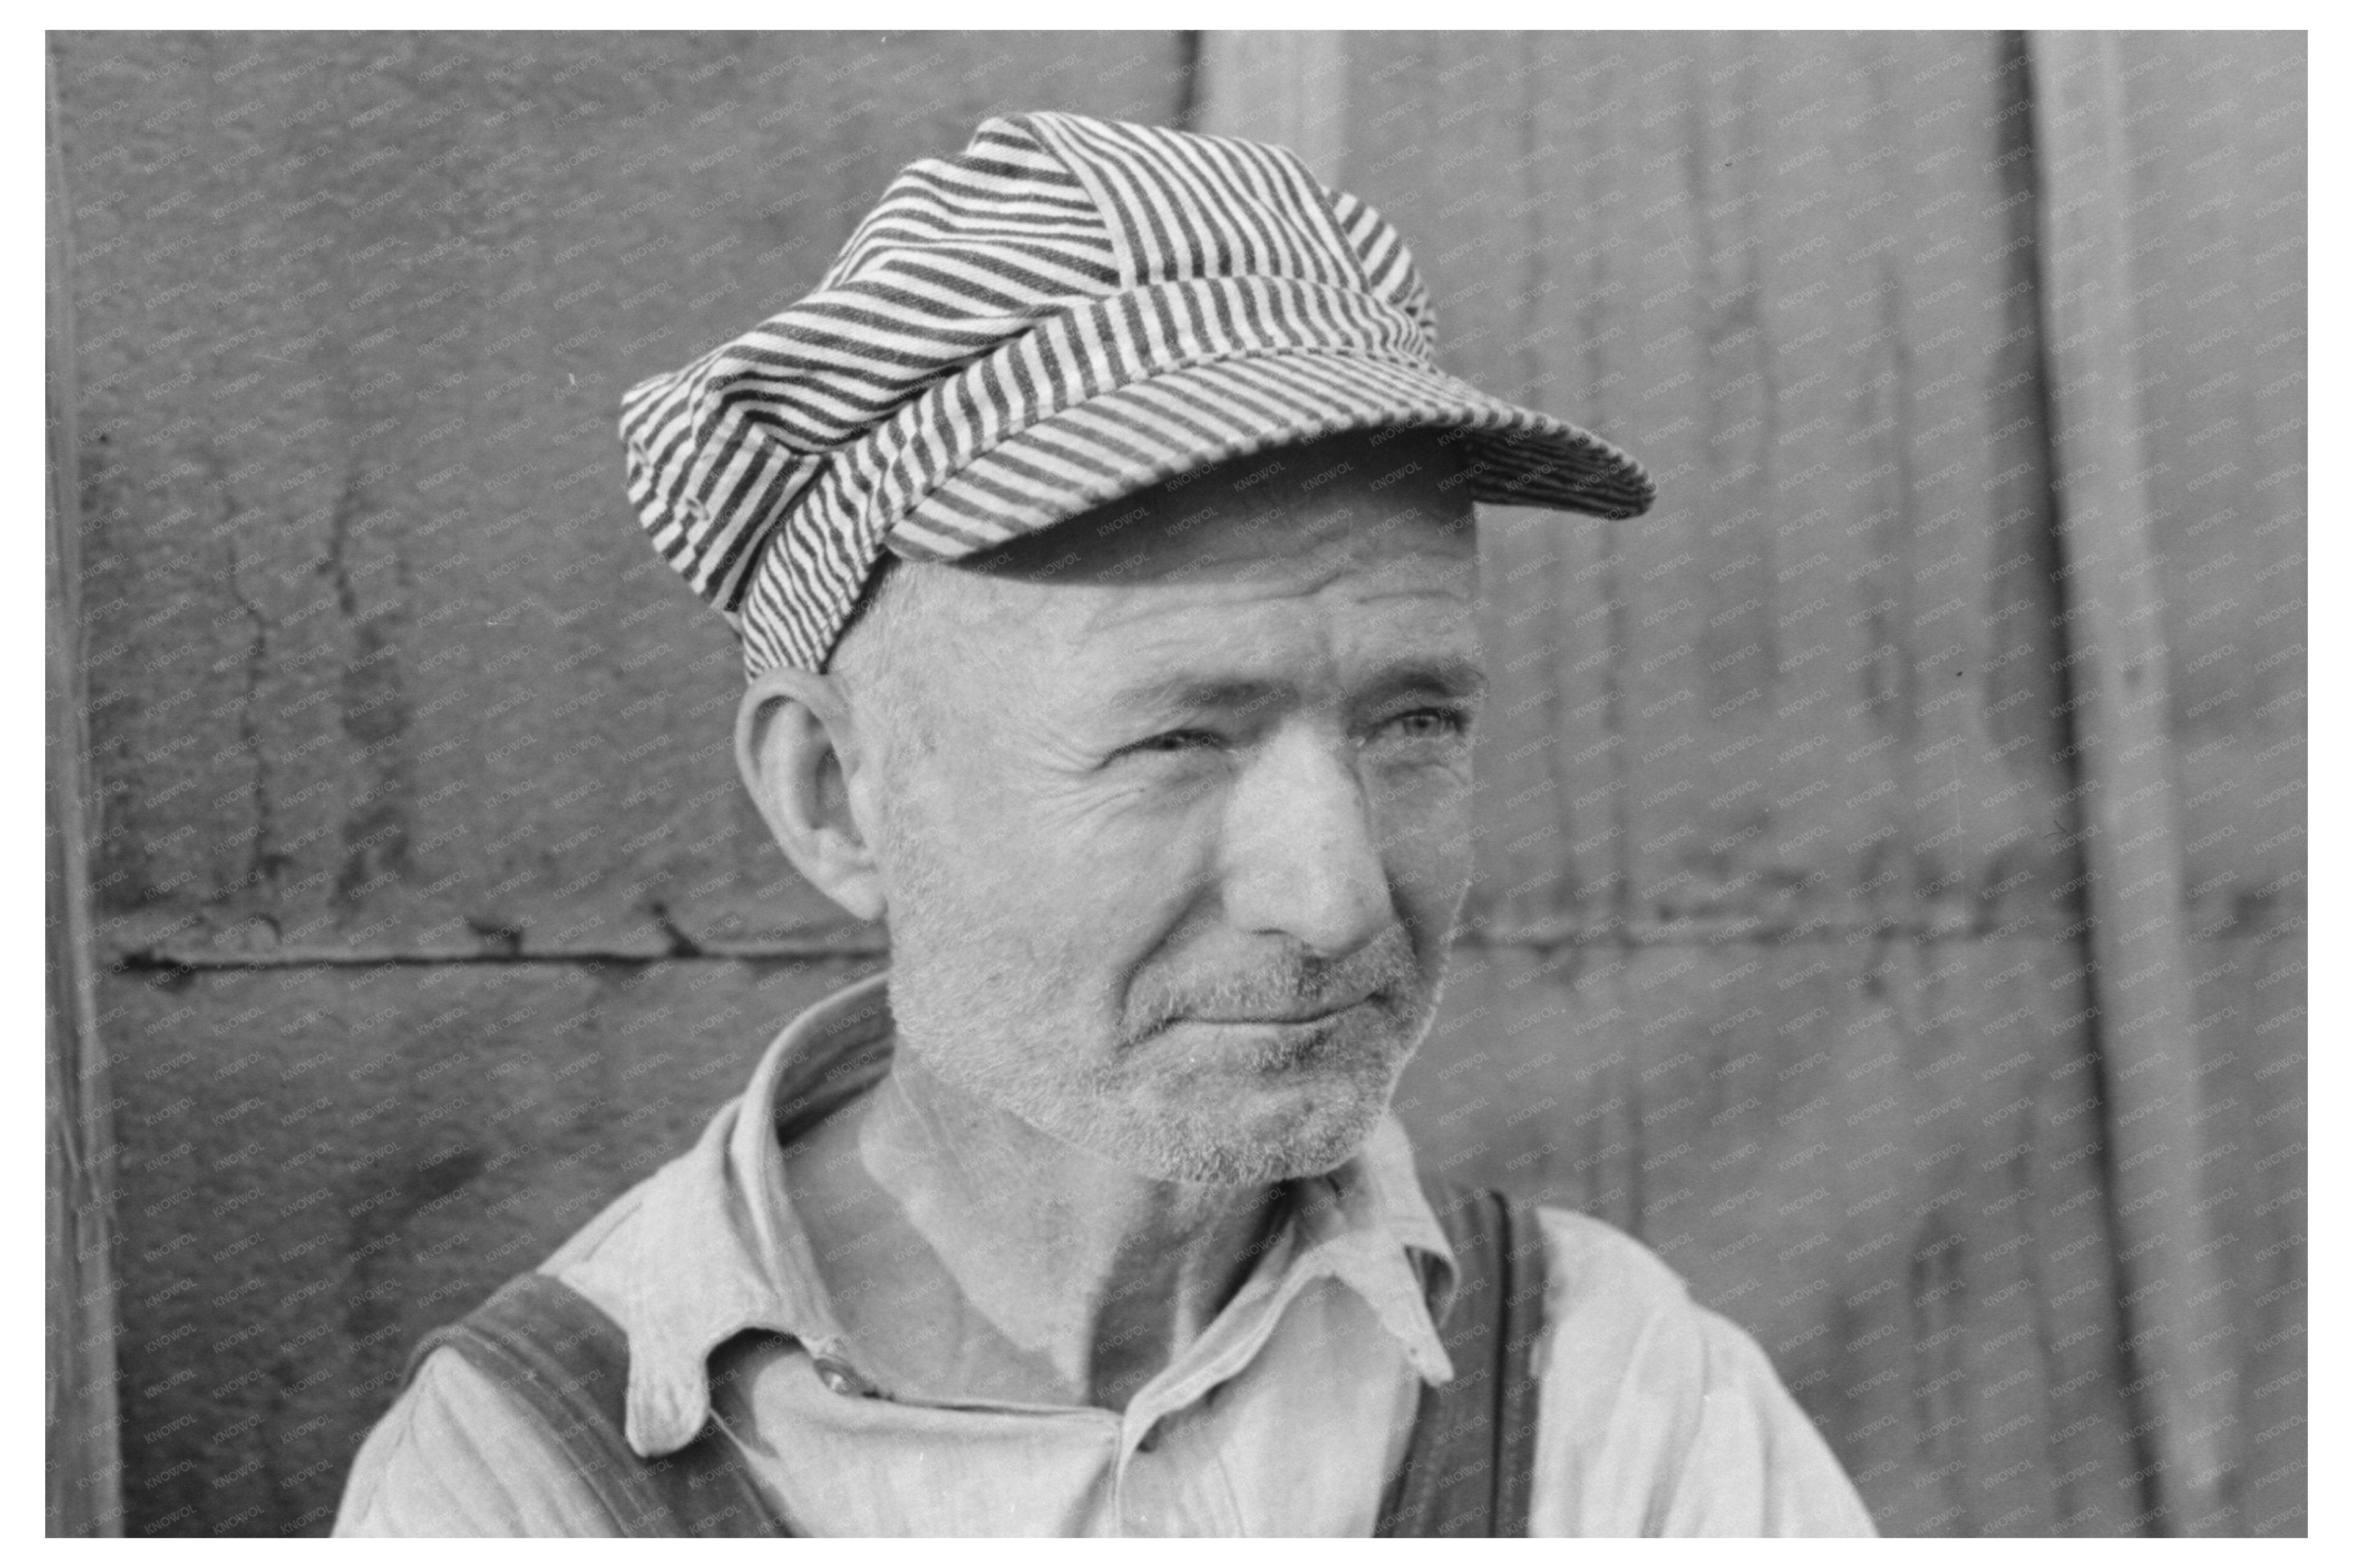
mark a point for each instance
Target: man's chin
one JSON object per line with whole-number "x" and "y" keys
{"x": 1256, "y": 1146}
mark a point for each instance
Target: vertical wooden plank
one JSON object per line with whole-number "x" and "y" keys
{"x": 2218, "y": 156}
{"x": 84, "y": 1495}
{"x": 1287, "y": 87}
{"x": 2141, "y": 974}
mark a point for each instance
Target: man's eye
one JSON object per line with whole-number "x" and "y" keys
{"x": 1428, "y": 724}
{"x": 1176, "y": 741}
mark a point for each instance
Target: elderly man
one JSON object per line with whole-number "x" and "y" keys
{"x": 1100, "y": 538}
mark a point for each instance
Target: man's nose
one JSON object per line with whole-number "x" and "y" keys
{"x": 1300, "y": 856}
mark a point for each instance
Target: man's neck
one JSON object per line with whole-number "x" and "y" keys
{"x": 968, "y": 1255}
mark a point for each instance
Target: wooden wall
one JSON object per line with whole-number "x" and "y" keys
{"x": 435, "y": 914}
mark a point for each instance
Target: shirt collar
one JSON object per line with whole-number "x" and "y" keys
{"x": 714, "y": 1248}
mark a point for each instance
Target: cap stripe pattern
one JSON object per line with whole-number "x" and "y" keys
{"x": 1066, "y": 312}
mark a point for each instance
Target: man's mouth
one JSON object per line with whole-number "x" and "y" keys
{"x": 1316, "y": 1014}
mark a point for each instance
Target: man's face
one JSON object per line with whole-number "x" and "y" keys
{"x": 1173, "y": 873}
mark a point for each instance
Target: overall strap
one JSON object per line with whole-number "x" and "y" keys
{"x": 550, "y": 1348}
{"x": 1471, "y": 1456}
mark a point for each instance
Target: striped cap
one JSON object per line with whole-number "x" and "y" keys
{"x": 1068, "y": 311}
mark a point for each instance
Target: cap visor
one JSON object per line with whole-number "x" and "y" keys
{"x": 1133, "y": 436}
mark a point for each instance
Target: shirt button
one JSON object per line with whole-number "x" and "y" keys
{"x": 839, "y": 1377}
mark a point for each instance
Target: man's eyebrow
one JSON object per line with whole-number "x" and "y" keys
{"x": 1445, "y": 676}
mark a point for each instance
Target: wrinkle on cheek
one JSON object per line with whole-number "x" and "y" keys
{"x": 1137, "y": 843}
{"x": 1058, "y": 828}
{"x": 1093, "y": 822}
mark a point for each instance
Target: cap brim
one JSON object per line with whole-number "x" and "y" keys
{"x": 1130, "y": 437}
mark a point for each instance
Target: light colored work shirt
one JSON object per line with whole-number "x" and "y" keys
{"x": 1287, "y": 1416}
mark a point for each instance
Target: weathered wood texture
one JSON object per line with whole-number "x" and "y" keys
{"x": 379, "y": 657}
{"x": 1287, "y": 87}
{"x": 83, "y": 1466}
{"x": 2215, "y": 128}
{"x": 2115, "y": 661}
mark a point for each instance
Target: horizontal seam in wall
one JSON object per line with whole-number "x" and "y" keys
{"x": 164, "y": 960}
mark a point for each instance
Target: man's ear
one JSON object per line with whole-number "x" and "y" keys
{"x": 795, "y": 746}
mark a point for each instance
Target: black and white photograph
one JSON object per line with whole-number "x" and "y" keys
{"x": 1157, "y": 782}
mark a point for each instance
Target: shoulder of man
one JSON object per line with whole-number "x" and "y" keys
{"x": 457, "y": 1454}
{"x": 1660, "y": 1417}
